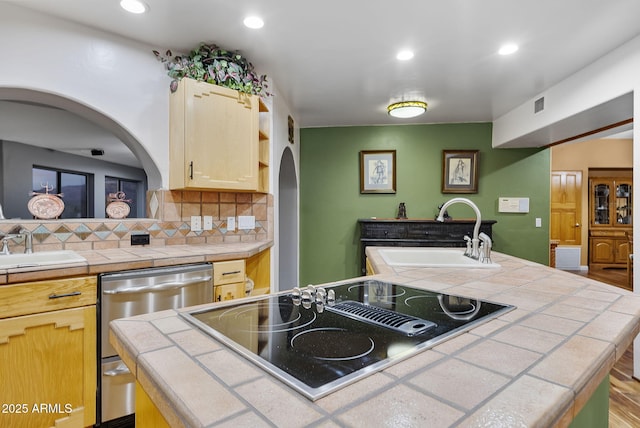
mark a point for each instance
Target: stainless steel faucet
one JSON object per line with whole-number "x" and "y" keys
{"x": 5, "y": 246}
{"x": 15, "y": 232}
{"x": 28, "y": 240}
{"x": 485, "y": 247}
{"x": 475, "y": 240}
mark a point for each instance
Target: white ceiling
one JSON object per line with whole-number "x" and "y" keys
{"x": 334, "y": 60}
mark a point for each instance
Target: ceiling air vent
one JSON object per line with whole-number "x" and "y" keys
{"x": 538, "y": 105}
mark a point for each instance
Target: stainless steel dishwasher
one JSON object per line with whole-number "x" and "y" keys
{"x": 136, "y": 292}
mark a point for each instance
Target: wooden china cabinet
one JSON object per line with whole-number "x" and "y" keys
{"x": 610, "y": 218}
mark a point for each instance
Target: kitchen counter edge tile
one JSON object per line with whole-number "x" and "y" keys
{"x": 534, "y": 366}
{"x": 112, "y": 260}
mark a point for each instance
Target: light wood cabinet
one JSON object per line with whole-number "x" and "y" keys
{"x": 214, "y": 138}
{"x": 609, "y": 250}
{"x": 48, "y": 353}
{"x": 610, "y": 219}
{"x": 230, "y": 277}
{"x": 147, "y": 413}
{"x": 259, "y": 270}
{"x": 229, "y": 280}
{"x": 264, "y": 142}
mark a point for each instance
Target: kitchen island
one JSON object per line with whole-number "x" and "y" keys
{"x": 538, "y": 365}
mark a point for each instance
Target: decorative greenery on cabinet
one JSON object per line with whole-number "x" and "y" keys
{"x": 212, "y": 64}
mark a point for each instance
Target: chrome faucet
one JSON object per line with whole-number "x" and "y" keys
{"x": 485, "y": 247}
{"x": 475, "y": 240}
{"x": 16, "y": 232}
{"x": 5, "y": 246}
{"x": 28, "y": 240}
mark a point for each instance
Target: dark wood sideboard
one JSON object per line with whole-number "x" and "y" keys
{"x": 416, "y": 233}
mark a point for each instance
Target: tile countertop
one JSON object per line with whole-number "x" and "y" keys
{"x": 111, "y": 260}
{"x": 534, "y": 366}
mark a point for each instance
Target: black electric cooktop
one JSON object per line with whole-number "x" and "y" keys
{"x": 319, "y": 339}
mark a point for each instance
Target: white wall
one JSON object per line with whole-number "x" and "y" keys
{"x": 280, "y": 142}
{"x": 119, "y": 79}
{"x": 608, "y": 78}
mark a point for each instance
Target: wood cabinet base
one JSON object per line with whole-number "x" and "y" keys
{"x": 147, "y": 414}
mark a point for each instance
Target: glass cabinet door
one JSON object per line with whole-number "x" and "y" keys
{"x": 623, "y": 203}
{"x": 601, "y": 213}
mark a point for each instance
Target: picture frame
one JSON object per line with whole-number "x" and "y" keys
{"x": 460, "y": 171}
{"x": 378, "y": 171}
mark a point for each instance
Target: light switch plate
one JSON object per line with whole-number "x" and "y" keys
{"x": 246, "y": 222}
{"x": 231, "y": 223}
{"x": 538, "y": 222}
{"x": 196, "y": 223}
{"x": 207, "y": 222}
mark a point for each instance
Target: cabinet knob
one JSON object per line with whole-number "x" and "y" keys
{"x": 577, "y": 224}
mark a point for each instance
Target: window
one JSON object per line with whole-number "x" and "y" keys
{"x": 73, "y": 185}
{"x": 128, "y": 187}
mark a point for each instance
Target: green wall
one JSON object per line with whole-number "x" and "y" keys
{"x": 331, "y": 203}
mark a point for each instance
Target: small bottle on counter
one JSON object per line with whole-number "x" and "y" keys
{"x": 402, "y": 211}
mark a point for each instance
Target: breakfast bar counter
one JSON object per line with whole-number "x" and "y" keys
{"x": 536, "y": 366}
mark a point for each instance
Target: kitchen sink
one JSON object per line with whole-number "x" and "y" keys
{"x": 431, "y": 257}
{"x": 43, "y": 258}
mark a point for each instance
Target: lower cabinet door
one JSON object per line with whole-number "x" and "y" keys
{"x": 48, "y": 369}
{"x": 229, "y": 291}
{"x": 602, "y": 250}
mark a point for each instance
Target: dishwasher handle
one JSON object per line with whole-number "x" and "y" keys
{"x": 118, "y": 371}
{"x": 157, "y": 287}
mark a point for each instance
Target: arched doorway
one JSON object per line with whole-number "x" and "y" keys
{"x": 84, "y": 111}
{"x": 288, "y": 223}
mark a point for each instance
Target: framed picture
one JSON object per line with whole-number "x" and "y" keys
{"x": 460, "y": 171}
{"x": 378, "y": 171}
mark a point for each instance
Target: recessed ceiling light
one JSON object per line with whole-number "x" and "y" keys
{"x": 254, "y": 22}
{"x": 134, "y": 6}
{"x": 508, "y": 49}
{"x": 404, "y": 55}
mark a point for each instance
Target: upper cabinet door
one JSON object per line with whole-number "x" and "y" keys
{"x": 611, "y": 202}
{"x": 213, "y": 138}
{"x": 601, "y": 209}
{"x": 624, "y": 201}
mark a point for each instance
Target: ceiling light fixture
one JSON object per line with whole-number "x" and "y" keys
{"x": 404, "y": 55}
{"x": 508, "y": 49}
{"x": 254, "y": 22}
{"x": 134, "y": 6}
{"x": 407, "y": 109}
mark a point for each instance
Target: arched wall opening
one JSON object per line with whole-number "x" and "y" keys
{"x": 154, "y": 178}
{"x": 288, "y": 223}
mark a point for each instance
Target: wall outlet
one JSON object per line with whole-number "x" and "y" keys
{"x": 231, "y": 223}
{"x": 196, "y": 223}
{"x": 246, "y": 222}
{"x": 140, "y": 239}
{"x": 207, "y": 222}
